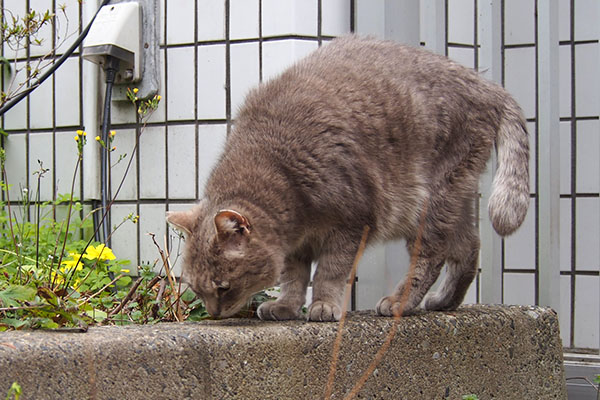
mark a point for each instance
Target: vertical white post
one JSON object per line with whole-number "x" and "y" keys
{"x": 598, "y": 91}
{"x": 370, "y": 17}
{"x": 549, "y": 156}
{"x": 490, "y": 65}
{"x": 402, "y": 21}
{"x": 92, "y": 91}
{"x": 434, "y": 13}
{"x": 390, "y": 19}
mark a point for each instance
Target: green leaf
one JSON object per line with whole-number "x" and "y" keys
{"x": 47, "y": 323}
{"x": 12, "y": 322}
{"x": 146, "y": 273}
{"x": 48, "y": 295}
{"x": 107, "y": 301}
{"x": 15, "y": 390}
{"x": 195, "y": 304}
{"x": 99, "y": 315}
{"x": 121, "y": 320}
{"x": 11, "y": 296}
{"x": 124, "y": 281}
{"x": 198, "y": 314}
{"x": 188, "y": 296}
{"x": 115, "y": 268}
{"x": 133, "y": 304}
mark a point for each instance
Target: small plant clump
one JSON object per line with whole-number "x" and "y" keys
{"x": 52, "y": 277}
{"x": 14, "y": 392}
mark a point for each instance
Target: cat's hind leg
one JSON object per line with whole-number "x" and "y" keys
{"x": 461, "y": 272}
{"x": 463, "y": 252}
{"x": 293, "y": 283}
{"x": 410, "y": 292}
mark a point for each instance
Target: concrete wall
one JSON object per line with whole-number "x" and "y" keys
{"x": 491, "y": 351}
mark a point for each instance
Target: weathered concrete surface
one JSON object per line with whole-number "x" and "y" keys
{"x": 496, "y": 352}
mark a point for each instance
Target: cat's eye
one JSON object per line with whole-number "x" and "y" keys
{"x": 221, "y": 286}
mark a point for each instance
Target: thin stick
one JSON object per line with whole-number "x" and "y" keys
{"x": 33, "y": 307}
{"x": 168, "y": 271}
{"x": 102, "y": 290}
{"x": 130, "y": 294}
{"x": 338, "y": 339}
{"x": 397, "y": 315}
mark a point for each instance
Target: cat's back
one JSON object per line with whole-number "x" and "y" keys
{"x": 363, "y": 84}
{"x": 357, "y": 125}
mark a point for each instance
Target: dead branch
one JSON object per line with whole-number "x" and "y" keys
{"x": 338, "y": 339}
{"x": 130, "y": 294}
{"x": 397, "y": 315}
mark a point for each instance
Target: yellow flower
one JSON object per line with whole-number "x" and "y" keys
{"x": 135, "y": 90}
{"x": 77, "y": 138}
{"x": 57, "y": 278}
{"x": 125, "y": 271}
{"x": 80, "y": 132}
{"x": 97, "y": 138}
{"x": 113, "y": 133}
{"x": 158, "y": 97}
{"x": 100, "y": 252}
{"x": 70, "y": 264}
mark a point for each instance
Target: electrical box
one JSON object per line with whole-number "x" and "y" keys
{"x": 129, "y": 31}
{"x": 116, "y": 32}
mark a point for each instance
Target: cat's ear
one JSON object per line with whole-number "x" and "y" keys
{"x": 184, "y": 220}
{"x": 233, "y": 231}
{"x": 230, "y": 222}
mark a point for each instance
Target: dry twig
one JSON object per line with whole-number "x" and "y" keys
{"x": 167, "y": 265}
{"x": 130, "y": 294}
{"x": 338, "y": 339}
{"x": 385, "y": 346}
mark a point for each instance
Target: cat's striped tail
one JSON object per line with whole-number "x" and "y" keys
{"x": 509, "y": 200}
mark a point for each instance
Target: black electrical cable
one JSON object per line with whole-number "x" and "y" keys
{"x": 111, "y": 68}
{"x": 10, "y": 104}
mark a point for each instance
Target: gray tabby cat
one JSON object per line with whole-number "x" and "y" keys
{"x": 360, "y": 133}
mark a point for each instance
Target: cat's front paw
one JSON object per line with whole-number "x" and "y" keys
{"x": 324, "y": 311}
{"x": 390, "y": 306}
{"x": 277, "y": 311}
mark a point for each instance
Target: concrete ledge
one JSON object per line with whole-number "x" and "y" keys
{"x": 493, "y": 351}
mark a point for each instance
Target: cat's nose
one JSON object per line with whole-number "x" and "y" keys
{"x": 214, "y": 310}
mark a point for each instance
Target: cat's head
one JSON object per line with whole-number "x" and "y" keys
{"x": 225, "y": 261}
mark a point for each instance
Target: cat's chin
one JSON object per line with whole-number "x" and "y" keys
{"x": 233, "y": 310}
